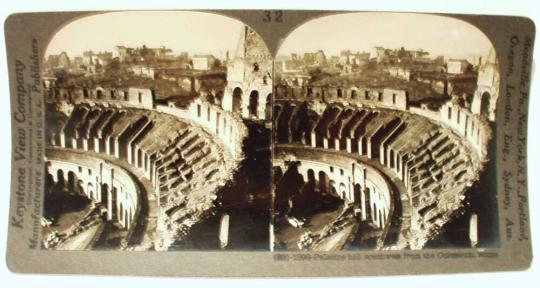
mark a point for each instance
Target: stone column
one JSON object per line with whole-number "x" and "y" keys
{"x": 224, "y": 231}
{"x": 96, "y": 145}
{"x": 129, "y": 153}
{"x": 109, "y": 204}
{"x": 85, "y": 144}
{"x": 473, "y": 230}
{"x": 107, "y": 146}
{"x": 368, "y": 142}
{"x": 73, "y": 143}
{"x": 62, "y": 139}
{"x": 313, "y": 139}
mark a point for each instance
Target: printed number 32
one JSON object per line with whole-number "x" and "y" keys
{"x": 276, "y": 16}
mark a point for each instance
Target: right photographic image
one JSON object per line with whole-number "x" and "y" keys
{"x": 383, "y": 134}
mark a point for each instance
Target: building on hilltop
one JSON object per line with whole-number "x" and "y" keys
{"x": 457, "y": 66}
{"x": 203, "y": 62}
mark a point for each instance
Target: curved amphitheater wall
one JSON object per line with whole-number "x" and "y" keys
{"x": 373, "y": 189}
{"x": 212, "y": 118}
{"x": 462, "y": 121}
{"x": 94, "y": 175}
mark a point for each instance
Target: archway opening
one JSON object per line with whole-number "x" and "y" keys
{"x": 354, "y": 93}
{"x": 49, "y": 183}
{"x": 323, "y": 182}
{"x": 61, "y": 180}
{"x": 268, "y": 108}
{"x": 253, "y": 103}
{"x": 90, "y": 191}
{"x": 237, "y": 100}
{"x": 104, "y": 194}
{"x": 311, "y": 176}
{"x": 342, "y": 191}
{"x": 357, "y": 194}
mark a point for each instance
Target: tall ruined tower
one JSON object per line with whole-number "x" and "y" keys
{"x": 487, "y": 90}
{"x": 249, "y": 77}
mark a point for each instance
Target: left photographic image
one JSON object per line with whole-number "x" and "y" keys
{"x": 158, "y": 134}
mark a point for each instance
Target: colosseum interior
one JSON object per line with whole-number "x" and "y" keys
{"x": 388, "y": 149}
{"x": 131, "y": 165}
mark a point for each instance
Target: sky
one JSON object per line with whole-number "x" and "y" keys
{"x": 438, "y": 35}
{"x": 193, "y": 32}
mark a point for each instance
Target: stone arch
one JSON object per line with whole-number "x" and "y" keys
{"x": 60, "y": 179}
{"x": 90, "y": 191}
{"x": 310, "y": 176}
{"x": 357, "y": 193}
{"x": 104, "y": 194}
{"x": 49, "y": 181}
{"x": 237, "y": 100}
{"x": 342, "y": 190}
{"x": 100, "y": 93}
{"x": 484, "y": 103}
{"x": 354, "y": 92}
{"x": 253, "y": 103}
{"x": 323, "y": 182}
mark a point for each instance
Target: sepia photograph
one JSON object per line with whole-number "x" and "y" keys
{"x": 240, "y": 142}
{"x": 157, "y": 133}
{"x": 383, "y": 135}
